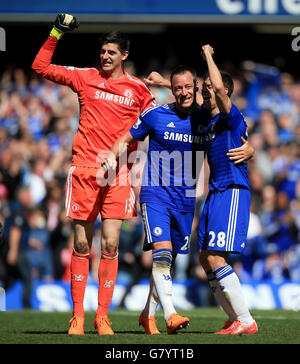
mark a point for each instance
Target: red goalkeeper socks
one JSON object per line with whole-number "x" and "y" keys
{"x": 108, "y": 270}
{"x": 79, "y": 275}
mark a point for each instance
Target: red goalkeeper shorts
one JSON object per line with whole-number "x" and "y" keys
{"x": 88, "y": 194}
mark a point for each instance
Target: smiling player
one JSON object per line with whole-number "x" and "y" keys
{"x": 167, "y": 208}
{"x": 110, "y": 103}
{"x": 175, "y": 133}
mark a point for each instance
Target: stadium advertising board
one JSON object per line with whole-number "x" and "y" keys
{"x": 157, "y": 11}
{"x": 56, "y": 296}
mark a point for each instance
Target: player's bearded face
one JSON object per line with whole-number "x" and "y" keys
{"x": 183, "y": 89}
{"x": 111, "y": 57}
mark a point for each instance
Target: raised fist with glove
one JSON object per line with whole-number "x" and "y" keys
{"x": 63, "y": 23}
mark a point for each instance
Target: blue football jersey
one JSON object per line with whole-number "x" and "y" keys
{"x": 176, "y": 143}
{"x": 224, "y": 132}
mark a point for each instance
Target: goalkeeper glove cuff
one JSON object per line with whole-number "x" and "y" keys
{"x": 56, "y": 33}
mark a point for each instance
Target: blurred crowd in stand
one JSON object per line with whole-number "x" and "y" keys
{"x": 38, "y": 120}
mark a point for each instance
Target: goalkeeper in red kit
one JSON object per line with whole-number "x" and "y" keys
{"x": 110, "y": 101}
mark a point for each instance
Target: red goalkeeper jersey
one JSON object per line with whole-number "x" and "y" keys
{"x": 108, "y": 107}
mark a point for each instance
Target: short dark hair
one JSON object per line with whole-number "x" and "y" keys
{"x": 116, "y": 37}
{"x": 227, "y": 81}
{"x": 181, "y": 69}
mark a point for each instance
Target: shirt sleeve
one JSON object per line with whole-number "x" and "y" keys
{"x": 140, "y": 129}
{"x": 69, "y": 76}
{"x": 235, "y": 118}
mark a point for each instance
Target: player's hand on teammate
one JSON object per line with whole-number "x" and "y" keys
{"x": 156, "y": 79}
{"x": 109, "y": 162}
{"x": 206, "y": 50}
{"x": 63, "y": 23}
{"x": 241, "y": 154}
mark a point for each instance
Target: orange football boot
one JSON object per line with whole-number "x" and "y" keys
{"x": 149, "y": 325}
{"x": 102, "y": 324}
{"x": 76, "y": 327}
{"x": 176, "y": 322}
{"x": 227, "y": 324}
{"x": 238, "y": 328}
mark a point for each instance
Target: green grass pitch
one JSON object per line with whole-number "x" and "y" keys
{"x": 32, "y": 327}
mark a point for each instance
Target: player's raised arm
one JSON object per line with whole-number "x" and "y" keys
{"x": 222, "y": 98}
{"x": 42, "y": 62}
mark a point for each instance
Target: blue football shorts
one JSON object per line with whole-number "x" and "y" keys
{"x": 224, "y": 220}
{"x": 164, "y": 224}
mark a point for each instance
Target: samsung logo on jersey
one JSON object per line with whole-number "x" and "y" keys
{"x": 186, "y": 138}
{"x": 102, "y": 95}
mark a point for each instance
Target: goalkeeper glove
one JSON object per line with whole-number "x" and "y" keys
{"x": 63, "y": 23}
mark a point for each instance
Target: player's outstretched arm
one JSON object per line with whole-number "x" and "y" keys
{"x": 117, "y": 149}
{"x": 241, "y": 154}
{"x": 222, "y": 99}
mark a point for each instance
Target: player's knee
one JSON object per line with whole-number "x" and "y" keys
{"x": 81, "y": 246}
{"x": 212, "y": 260}
{"x": 83, "y": 236}
{"x": 109, "y": 246}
